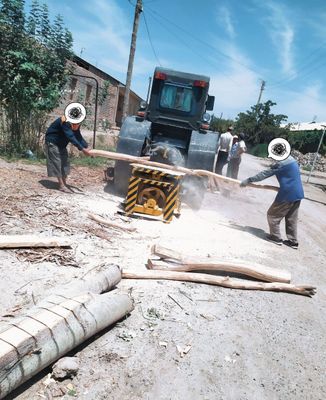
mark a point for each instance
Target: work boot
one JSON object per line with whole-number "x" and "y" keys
{"x": 291, "y": 243}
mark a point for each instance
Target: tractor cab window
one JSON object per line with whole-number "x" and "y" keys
{"x": 176, "y": 97}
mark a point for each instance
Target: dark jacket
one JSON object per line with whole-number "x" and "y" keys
{"x": 287, "y": 173}
{"x": 60, "y": 134}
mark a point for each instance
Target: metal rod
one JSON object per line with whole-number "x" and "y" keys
{"x": 147, "y": 97}
{"x": 315, "y": 159}
{"x": 96, "y": 101}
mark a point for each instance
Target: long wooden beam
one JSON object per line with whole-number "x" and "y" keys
{"x": 21, "y": 241}
{"x": 199, "y": 172}
{"x": 261, "y": 273}
{"x": 186, "y": 264}
{"x": 305, "y": 290}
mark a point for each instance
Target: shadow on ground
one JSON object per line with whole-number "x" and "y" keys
{"x": 260, "y": 233}
{"x": 49, "y": 184}
{"x": 52, "y": 185}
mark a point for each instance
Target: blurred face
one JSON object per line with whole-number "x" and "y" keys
{"x": 75, "y": 127}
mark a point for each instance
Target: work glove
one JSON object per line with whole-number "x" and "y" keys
{"x": 245, "y": 182}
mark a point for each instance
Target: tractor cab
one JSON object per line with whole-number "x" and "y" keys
{"x": 180, "y": 100}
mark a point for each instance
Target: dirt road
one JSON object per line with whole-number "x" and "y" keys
{"x": 240, "y": 345}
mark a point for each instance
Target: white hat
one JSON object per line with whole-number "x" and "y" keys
{"x": 75, "y": 113}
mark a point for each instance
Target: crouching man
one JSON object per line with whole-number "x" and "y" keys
{"x": 57, "y": 137}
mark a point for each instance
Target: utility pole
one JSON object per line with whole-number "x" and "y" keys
{"x": 138, "y": 10}
{"x": 262, "y": 87}
{"x": 316, "y": 156}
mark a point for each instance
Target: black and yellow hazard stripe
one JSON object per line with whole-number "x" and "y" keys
{"x": 157, "y": 174}
{"x": 156, "y": 183}
{"x": 132, "y": 194}
{"x": 150, "y": 171}
{"x": 171, "y": 203}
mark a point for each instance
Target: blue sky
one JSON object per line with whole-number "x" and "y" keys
{"x": 237, "y": 43}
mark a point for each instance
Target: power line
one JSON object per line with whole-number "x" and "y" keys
{"x": 203, "y": 42}
{"x": 297, "y": 76}
{"x": 194, "y": 51}
{"x": 304, "y": 66}
{"x": 303, "y": 94}
{"x": 231, "y": 58}
{"x": 150, "y": 40}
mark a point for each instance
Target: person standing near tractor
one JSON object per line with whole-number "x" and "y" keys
{"x": 223, "y": 150}
{"x": 234, "y": 159}
{"x": 63, "y": 130}
{"x": 287, "y": 202}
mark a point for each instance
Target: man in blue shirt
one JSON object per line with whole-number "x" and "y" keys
{"x": 287, "y": 202}
{"x": 57, "y": 137}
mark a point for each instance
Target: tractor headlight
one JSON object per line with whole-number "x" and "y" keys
{"x": 142, "y": 105}
{"x": 206, "y": 117}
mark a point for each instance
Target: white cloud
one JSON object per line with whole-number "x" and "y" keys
{"x": 237, "y": 89}
{"x": 282, "y": 35}
{"x": 224, "y": 19}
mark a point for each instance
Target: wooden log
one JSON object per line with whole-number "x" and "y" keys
{"x": 184, "y": 264}
{"x": 44, "y": 336}
{"x": 101, "y": 281}
{"x": 105, "y": 222}
{"x": 20, "y": 241}
{"x": 139, "y": 160}
{"x": 258, "y": 272}
{"x": 305, "y": 290}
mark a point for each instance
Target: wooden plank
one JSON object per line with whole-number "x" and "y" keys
{"x": 139, "y": 160}
{"x": 305, "y": 290}
{"x": 20, "y": 241}
{"x": 185, "y": 264}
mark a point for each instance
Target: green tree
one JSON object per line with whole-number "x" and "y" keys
{"x": 33, "y": 72}
{"x": 219, "y": 124}
{"x": 33, "y": 21}
{"x": 259, "y": 124}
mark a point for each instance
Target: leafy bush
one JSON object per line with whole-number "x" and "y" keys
{"x": 306, "y": 141}
{"x": 220, "y": 125}
{"x": 259, "y": 124}
{"x": 260, "y": 150}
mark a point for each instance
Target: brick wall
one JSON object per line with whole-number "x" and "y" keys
{"x": 83, "y": 90}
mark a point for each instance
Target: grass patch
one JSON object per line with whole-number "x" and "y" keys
{"x": 31, "y": 161}
{"x": 260, "y": 150}
{"x": 89, "y": 161}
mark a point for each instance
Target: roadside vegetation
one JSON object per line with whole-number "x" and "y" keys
{"x": 260, "y": 126}
{"x": 33, "y": 54}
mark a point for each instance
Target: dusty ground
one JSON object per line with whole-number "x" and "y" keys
{"x": 243, "y": 345}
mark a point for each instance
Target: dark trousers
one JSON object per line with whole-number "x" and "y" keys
{"x": 222, "y": 159}
{"x": 233, "y": 168}
{"x": 57, "y": 161}
{"x": 289, "y": 211}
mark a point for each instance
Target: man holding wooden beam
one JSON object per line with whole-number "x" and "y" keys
{"x": 287, "y": 202}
